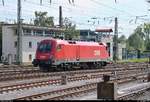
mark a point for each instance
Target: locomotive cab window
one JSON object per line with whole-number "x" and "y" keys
{"x": 44, "y": 47}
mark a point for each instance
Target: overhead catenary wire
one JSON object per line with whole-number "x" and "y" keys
{"x": 94, "y": 21}
{"x": 3, "y": 2}
{"x": 66, "y": 9}
{"x": 26, "y": 0}
{"x": 47, "y": 6}
{"x": 112, "y": 8}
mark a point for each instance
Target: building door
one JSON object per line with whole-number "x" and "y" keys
{"x": 108, "y": 48}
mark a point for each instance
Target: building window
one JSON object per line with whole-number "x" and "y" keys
{"x": 27, "y": 31}
{"x": 30, "y": 57}
{"x": 15, "y": 44}
{"x": 38, "y": 32}
{"x": 30, "y": 44}
{"x": 49, "y": 33}
{"x": 15, "y": 31}
{"x": 15, "y": 57}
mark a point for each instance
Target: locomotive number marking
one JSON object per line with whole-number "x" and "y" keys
{"x": 97, "y": 53}
{"x": 42, "y": 57}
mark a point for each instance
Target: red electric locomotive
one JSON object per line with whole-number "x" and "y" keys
{"x": 62, "y": 54}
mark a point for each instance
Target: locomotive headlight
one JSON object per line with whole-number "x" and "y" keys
{"x": 52, "y": 59}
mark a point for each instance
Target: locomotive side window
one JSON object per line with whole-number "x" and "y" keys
{"x": 59, "y": 47}
{"x": 44, "y": 47}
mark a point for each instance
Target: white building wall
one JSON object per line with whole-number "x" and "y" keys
{"x": 8, "y": 44}
{"x": 26, "y": 51}
{"x": 120, "y": 47}
{"x": 8, "y": 40}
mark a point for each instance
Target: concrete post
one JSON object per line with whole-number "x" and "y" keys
{"x": 106, "y": 90}
{"x": 9, "y": 59}
{"x": 106, "y": 78}
{"x": 64, "y": 80}
{"x": 3, "y": 58}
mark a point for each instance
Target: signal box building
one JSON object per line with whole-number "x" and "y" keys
{"x": 31, "y": 36}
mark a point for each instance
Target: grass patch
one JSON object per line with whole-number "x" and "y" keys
{"x": 135, "y": 60}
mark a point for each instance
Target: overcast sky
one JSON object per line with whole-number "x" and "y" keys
{"x": 86, "y": 14}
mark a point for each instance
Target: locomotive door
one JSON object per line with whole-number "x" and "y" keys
{"x": 78, "y": 53}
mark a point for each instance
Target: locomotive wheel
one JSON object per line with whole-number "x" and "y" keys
{"x": 35, "y": 65}
{"x": 65, "y": 68}
{"x": 104, "y": 64}
{"x": 100, "y": 66}
{"x": 90, "y": 65}
{"x": 44, "y": 68}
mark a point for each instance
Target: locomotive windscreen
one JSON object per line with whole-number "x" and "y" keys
{"x": 44, "y": 47}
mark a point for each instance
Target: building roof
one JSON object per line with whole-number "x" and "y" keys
{"x": 29, "y": 26}
{"x": 85, "y": 32}
{"x": 104, "y": 30}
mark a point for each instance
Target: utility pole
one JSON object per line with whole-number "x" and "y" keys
{"x": 61, "y": 21}
{"x": 116, "y": 40}
{"x": 60, "y": 17}
{"x": 19, "y": 34}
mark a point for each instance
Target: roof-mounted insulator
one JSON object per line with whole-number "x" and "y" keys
{"x": 71, "y": 42}
{"x": 101, "y": 43}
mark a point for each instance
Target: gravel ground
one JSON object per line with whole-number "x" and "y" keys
{"x": 93, "y": 96}
{"x": 146, "y": 96}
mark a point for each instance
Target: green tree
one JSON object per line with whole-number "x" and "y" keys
{"x": 41, "y": 19}
{"x": 135, "y": 42}
{"x": 122, "y": 39}
{"x": 70, "y": 30}
{"x": 139, "y": 31}
{"x": 146, "y": 30}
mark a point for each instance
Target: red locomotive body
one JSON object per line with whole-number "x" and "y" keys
{"x": 62, "y": 53}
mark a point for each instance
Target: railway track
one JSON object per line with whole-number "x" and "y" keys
{"x": 58, "y": 81}
{"x": 74, "y": 76}
{"x": 139, "y": 73}
{"x": 66, "y": 92}
{"x": 57, "y": 94}
{"x": 48, "y": 82}
{"x": 134, "y": 93}
{"x": 34, "y": 73}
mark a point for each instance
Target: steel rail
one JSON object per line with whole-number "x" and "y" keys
{"x": 56, "y": 94}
